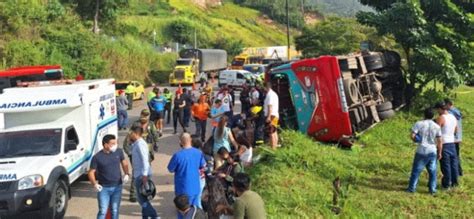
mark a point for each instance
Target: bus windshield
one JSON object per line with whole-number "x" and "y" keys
{"x": 238, "y": 62}
{"x": 183, "y": 62}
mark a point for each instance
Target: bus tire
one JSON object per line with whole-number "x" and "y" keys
{"x": 385, "y": 106}
{"x": 350, "y": 88}
{"x": 386, "y": 114}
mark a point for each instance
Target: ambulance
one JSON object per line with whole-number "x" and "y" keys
{"x": 49, "y": 131}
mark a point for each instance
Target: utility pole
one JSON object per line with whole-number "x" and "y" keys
{"x": 195, "y": 39}
{"x": 154, "y": 38}
{"x": 288, "y": 29}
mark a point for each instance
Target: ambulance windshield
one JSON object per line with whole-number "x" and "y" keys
{"x": 30, "y": 143}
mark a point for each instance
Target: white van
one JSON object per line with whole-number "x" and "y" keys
{"x": 235, "y": 78}
{"x": 49, "y": 134}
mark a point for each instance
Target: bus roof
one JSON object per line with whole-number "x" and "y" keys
{"x": 29, "y": 70}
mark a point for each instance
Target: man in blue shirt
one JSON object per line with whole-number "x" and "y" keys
{"x": 141, "y": 169}
{"x": 158, "y": 104}
{"x": 458, "y": 135}
{"x": 186, "y": 164}
{"x": 106, "y": 176}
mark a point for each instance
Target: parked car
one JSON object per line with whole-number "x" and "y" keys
{"x": 138, "y": 89}
{"x": 256, "y": 69}
{"x": 236, "y": 78}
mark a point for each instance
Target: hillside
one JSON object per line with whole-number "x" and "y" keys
{"x": 55, "y": 32}
{"x": 296, "y": 181}
{"x": 228, "y": 21}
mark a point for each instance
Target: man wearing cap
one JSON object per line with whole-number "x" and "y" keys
{"x": 158, "y": 106}
{"x": 449, "y": 160}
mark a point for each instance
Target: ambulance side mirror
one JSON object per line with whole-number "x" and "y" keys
{"x": 71, "y": 140}
{"x": 71, "y": 145}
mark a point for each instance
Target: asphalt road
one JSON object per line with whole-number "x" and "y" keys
{"x": 83, "y": 203}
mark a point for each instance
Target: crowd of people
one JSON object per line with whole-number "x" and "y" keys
{"x": 209, "y": 170}
{"x": 438, "y": 139}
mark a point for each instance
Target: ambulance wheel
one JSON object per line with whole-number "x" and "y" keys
{"x": 59, "y": 200}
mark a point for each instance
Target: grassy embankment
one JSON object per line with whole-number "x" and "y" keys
{"x": 296, "y": 181}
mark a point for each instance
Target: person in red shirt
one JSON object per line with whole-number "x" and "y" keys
{"x": 200, "y": 112}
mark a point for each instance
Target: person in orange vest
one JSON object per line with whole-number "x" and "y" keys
{"x": 200, "y": 112}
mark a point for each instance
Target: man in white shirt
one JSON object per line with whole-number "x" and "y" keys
{"x": 254, "y": 96}
{"x": 270, "y": 109}
{"x": 449, "y": 161}
{"x": 226, "y": 99}
{"x": 427, "y": 134}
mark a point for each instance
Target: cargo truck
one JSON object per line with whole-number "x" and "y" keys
{"x": 333, "y": 98}
{"x": 48, "y": 135}
{"x": 194, "y": 65}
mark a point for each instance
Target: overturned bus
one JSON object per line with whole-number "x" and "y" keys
{"x": 332, "y": 98}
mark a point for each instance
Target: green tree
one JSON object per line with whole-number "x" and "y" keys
{"x": 181, "y": 31}
{"x": 436, "y": 37}
{"x": 98, "y": 10}
{"x": 333, "y": 36}
{"x": 232, "y": 46}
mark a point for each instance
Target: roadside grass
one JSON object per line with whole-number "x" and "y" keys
{"x": 296, "y": 180}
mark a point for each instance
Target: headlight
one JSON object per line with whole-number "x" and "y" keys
{"x": 29, "y": 182}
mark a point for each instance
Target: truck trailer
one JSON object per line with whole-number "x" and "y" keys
{"x": 197, "y": 64}
{"x": 49, "y": 134}
{"x": 333, "y": 98}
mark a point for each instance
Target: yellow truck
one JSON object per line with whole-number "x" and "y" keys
{"x": 197, "y": 64}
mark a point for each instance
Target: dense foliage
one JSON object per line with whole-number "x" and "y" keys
{"x": 298, "y": 9}
{"x": 61, "y": 32}
{"x": 437, "y": 38}
{"x": 337, "y": 36}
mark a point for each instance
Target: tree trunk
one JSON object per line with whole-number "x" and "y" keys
{"x": 96, "y": 17}
{"x": 410, "y": 92}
